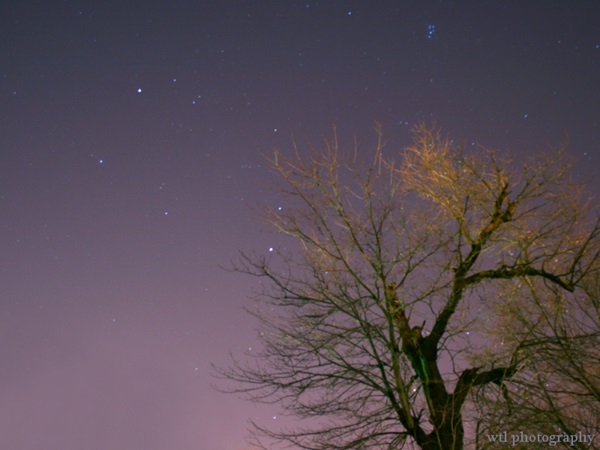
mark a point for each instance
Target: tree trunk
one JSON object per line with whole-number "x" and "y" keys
{"x": 448, "y": 436}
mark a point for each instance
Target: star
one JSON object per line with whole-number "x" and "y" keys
{"x": 430, "y": 31}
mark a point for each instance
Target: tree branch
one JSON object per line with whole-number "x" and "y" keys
{"x": 506, "y": 272}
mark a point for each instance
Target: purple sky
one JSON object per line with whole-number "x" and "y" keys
{"x": 131, "y": 141}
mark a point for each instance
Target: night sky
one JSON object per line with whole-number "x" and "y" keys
{"x": 132, "y": 143}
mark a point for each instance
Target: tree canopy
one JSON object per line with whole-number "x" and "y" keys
{"x": 433, "y": 292}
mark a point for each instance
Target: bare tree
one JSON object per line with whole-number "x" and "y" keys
{"x": 372, "y": 329}
{"x": 557, "y": 392}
